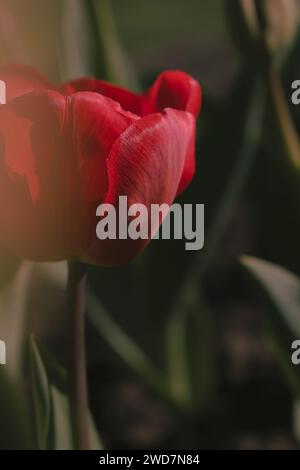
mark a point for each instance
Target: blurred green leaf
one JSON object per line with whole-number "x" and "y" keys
{"x": 190, "y": 335}
{"x": 115, "y": 65}
{"x": 282, "y": 288}
{"x": 56, "y": 373}
{"x": 41, "y": 396}
{"x": 79, "y": 40}
{"x": 91, "y": 45}
{"x": 190, "y": 356}
{"x": 237, "y": 181}
{"x": 190, "y": 352}
{"x": 60, "y": 420}
{"x": 201, "y": 347}
{"x": 122, "y": 345}
{"x": 177, "y": 355}
{"x": 61, "y": 423}
{"x": 52, "y": 412}
{"x": 281, "y": 291}
{"x": 15, "y": 425}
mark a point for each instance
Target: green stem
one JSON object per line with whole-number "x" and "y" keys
{"x": 77, "y": 366}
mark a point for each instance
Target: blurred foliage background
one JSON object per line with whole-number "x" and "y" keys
{"x": 184, "y": 350}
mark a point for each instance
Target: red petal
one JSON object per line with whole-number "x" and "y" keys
{"x": 128, "y": 100}
{"x": 172, "y": 89}
{"x": 146, "y": 165}
{"x": 53, "y": 176}
{"x": 21, "y": 79}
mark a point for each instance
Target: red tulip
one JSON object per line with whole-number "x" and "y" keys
{"x": 64, "y": 150}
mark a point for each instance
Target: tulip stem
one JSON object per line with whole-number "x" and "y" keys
{"x": 77, "y": 365}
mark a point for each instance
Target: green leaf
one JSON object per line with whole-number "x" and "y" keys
{"x": 115, "y": 65}
{"x": 78, "y": 39}
{"x": 190, "y": 351}
{"x": 56, "y": 373}
{"x": 177, "y": 357}
{"x": 91, "y": 44}
{"x": 41, "y": 396}
{"x": 280, "y": 289}
{"x": 123, "y": 346}
{"x": 61, "y": 423}
{"x": 52, "y": 411}
{"x": 15, "y": 424}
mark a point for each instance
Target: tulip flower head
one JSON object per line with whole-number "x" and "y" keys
{"x": 67, "y": 149}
